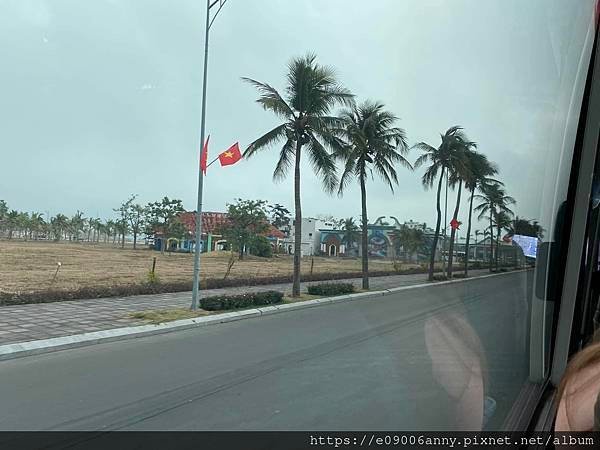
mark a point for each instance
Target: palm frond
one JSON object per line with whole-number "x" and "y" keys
{"x": 323, "y": 164}
{"x": 285, "y": 161}
{"x": 266, "y": 140}
{"x": 270, "y": 99}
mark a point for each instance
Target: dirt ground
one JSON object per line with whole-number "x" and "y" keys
{"x": 31, "y": 265}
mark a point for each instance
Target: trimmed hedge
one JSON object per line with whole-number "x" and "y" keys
{"x": 331, "y": 289}
{"x": 221, "y": 302}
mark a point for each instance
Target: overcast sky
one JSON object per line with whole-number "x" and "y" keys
{"x": 101, "y": 99}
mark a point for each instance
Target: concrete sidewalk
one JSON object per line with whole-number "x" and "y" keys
{"x": 22, "y": 323}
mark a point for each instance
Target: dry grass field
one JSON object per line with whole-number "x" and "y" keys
{"x": 29, "y": 266}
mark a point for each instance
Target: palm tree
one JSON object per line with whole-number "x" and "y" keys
{"x": 493, "y": 201}
{"x": 351, "y": 233}
{"x": 24, "y": 224}
{"x": 459, "y": 172}
{"x": 76, "y": 225}
{"x": 372, "y": 145}
{"x": 502, "y": 221}
{"x": 479, "y": 171}
{"x": 441, "y": 158}
{"x": 12, "y": 222}
{"x": 312, "y": 91}
{"x": 36, "y": 224}
{"x": 409, "y": 239}
{"x": 526, "y": 227}
{"x": 59, "y": 225}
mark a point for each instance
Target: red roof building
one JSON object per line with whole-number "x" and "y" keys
{"x": 211, "y": 222}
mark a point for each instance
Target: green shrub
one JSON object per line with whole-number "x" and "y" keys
{"x": 152, "y": 278}
{"x": 440, "y": 278}
{"x": 331, "y": 289}
{"x": 260, "y": 246}
{"x": 220, "y": 302}
{"x": 458, "y": 275}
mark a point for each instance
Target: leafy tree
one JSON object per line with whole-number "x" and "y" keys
{"x": 162, "y": 216}
{"x": 260, "y": 246}
{"x": 246, "y": 219}
{"x": 440, "y": 159}
{"x": 312, "y": 91}
{"x": 135, "y": 215}
{"x": 280, "y": 217}
{"x": 372, "y": 144}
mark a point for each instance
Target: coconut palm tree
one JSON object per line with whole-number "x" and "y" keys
{"x": 372, "y": 145}
{"x": 411, "y": 240}
{"x": 351, "y": 233}
{"x": 12, "y": 222}
{"x": 76, "y": 225}
{"x": 440, "y": 159}
{"x": 311, "y": 92}
{"x": 480, "y": 169}
{"x": 59, "y": 224}
{"x": 502, "y": 221}
{"x": 526, "y": 227}
{"x": 458, "y": 171}
{"x": 493, "y": 201}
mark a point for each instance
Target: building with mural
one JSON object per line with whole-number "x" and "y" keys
{"x": 324, "y": 238}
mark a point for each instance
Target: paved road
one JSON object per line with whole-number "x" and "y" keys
{"x": 357, "y": 365}
{"x": 22, "y": 323}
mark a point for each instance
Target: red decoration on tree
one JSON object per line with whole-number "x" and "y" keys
{"x": 455, "y": 224}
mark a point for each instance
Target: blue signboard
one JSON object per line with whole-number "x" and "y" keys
{"x": 529, "y": 244}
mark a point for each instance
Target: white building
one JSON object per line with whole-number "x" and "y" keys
{"x": 311, "y": 237}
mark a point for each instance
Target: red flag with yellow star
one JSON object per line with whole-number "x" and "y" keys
{"x": 204, "y": 156}
{"x": 231, "y": 155}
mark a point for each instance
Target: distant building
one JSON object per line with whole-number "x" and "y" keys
{"x": 311, "y": 236}
{"x": 212, "y": 240}
{"x": 324, "y": 238}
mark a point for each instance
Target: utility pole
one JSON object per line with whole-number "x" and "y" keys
{"x": 197, "y": 250}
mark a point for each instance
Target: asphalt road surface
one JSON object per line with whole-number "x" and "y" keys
{"x": 389, "y": 363}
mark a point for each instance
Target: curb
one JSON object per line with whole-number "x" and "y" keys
{"x": 22, "y": 349}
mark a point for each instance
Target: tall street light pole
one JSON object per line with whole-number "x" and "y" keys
{"x": 197, "y": 250}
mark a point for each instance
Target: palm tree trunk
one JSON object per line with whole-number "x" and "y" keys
{"x": 364, "y": 237}
{"x": 469, "y": 234}
{"x": 134, "y": 239}
{"x": 491, "y": 258}
{"x": 453, "y": 231}
{"x": 437, "y": 228}
{"x": 497, "y": 246}
{"x": 297, "y": 223}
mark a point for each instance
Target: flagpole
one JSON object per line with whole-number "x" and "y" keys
{"x": 197, "y": 249}
{"x": 211, "y": 163}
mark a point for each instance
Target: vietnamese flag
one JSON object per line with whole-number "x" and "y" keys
{"x": 204, "y": 156}
{"x": 231, "y": 155}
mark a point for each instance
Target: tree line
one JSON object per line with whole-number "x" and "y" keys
{"x": 247, "y": 220}
{"x": 363, "y": 140}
